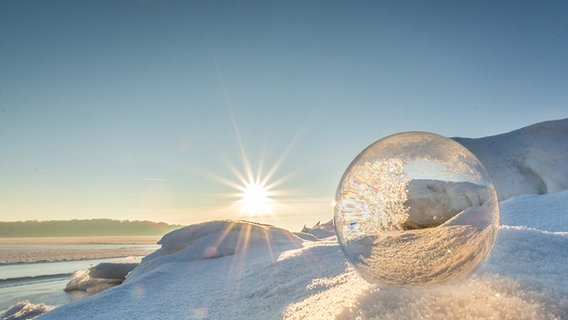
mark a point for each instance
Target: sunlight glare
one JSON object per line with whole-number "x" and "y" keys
{"x": 257, "y": 190}
{"x": 255, "y": 199}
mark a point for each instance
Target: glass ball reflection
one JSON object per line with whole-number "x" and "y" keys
{"x": 414, "y": 209}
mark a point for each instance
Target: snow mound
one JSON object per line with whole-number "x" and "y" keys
{"x": 530, "y": 160}
{"x": 224, "y": 235}
{"x": 524, "y": 278}
{"x": 183, "y": 280}
{"x": 245, "y": 270}
{"x": 24, "y": 310}
{"x": 100, "y": 277}
{"x": 214, "y": 240}
{"x": 272, "y": 274}
{"x": 321, "y": 231}
{"x": 276, "y": 275}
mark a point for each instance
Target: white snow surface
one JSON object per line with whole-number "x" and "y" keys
{"x": 24, "y": 310}
{"x": 102, "y": 276}
{"x": 530, "y": 160}
{"x": 244, "y": 270}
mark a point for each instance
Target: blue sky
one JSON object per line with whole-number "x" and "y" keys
{"x": 135, "y": 109}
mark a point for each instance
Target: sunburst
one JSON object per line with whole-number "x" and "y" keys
{"x": 257, "y": 192}
{"x": 255, "y": 199}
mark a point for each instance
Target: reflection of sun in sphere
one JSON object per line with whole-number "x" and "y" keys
{"x": 414, "y": 209}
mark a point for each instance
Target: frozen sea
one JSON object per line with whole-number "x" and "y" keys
{"x": 243, "y": 270}
{"x": 37, "y": 269}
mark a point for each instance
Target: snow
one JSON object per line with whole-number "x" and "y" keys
{"x": 321, "y": 230}
{"x": 24, "y": 310}
{"x": 531, "y": 160}
{"x": 211, "y": 270}
{"x": 102, "y": 276}
{"x": 533, "y": 211}
{"x": 245, "y": 270}
{"x": 433, "y": 202}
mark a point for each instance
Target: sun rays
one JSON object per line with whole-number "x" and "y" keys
{"x": 257, "y": 192}
{"x": 255, "y": 195}
{"x": 255, "y": 199}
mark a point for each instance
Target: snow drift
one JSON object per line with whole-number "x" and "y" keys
{"x": 320, "y": 230}
{"x": 24, "y": 310}
{"x": 531, "y": 160}
{"x": 100, "y": 277}
{"x": 242, "y": 270}
{"x": 217, "y": 239}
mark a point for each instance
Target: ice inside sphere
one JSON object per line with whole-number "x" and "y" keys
{"x": 414, "y": 209}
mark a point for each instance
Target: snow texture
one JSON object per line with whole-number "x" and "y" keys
{"x": 320, "y": 231}
{"x": 212, "y": 271}
{"x": 243, "y": 270}
{"x": 432, "y": 202}
{"x": 100, "y": 277}
{"x": 530, "y": 160}
{"x": 24, "y": 310}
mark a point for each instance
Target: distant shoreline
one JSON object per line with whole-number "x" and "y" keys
{"x": 80, "y": 240}
{"x": 12, "y": 258}
{"x": 83, "y": 228}
{"x": 60, "y": 249}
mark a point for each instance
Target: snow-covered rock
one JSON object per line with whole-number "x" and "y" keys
{"x": 320, "y": 230}
{"x": 24, "y": 310}
{"x": 531, "y": 160}
{"x": 100, "y": 277}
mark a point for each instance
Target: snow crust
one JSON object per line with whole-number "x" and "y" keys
{"x": 530, "y": 160}
{"x": 320, "y": 230}
{"x": 217, "y": 239}
{"x": 212, "y": 271}
{"x": 433, "y": 202}
{"x": 244, "y": 270}
{"x": 102, "y": 276}
{"x": 24, "y": 310}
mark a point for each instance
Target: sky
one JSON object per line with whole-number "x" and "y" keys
{"x": 152, "y": 109}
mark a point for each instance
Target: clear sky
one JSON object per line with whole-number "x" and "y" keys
{"x": 139, "y": 109}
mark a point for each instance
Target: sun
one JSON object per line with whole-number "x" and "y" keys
{"x": 255, "y": 199}
{"x": 259, "y": 192}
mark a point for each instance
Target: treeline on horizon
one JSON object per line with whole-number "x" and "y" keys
{"x": 83, "y": 228}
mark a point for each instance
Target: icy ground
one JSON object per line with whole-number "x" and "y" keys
{"x": 242, "y": 270}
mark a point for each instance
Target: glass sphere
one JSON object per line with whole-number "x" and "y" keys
{"x": 414, "y": 209}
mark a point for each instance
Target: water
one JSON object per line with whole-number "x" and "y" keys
{"x": 43, "y": 282}
{"x": 77, "y": 246}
